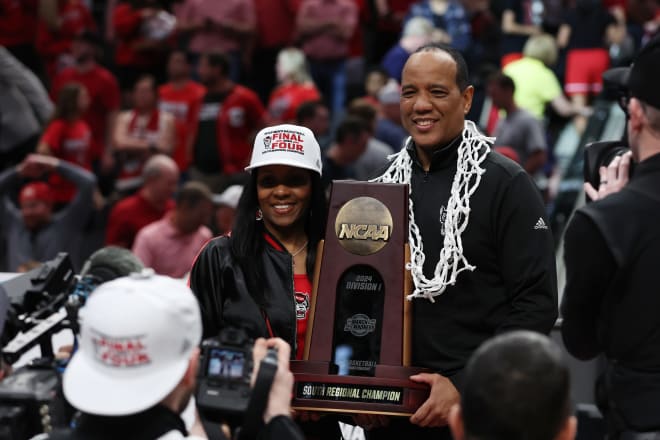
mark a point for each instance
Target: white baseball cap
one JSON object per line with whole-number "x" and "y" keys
{"x": 137, "y": 335}
{"x": 286, "y": 144}
{"x": 229, "y": 197}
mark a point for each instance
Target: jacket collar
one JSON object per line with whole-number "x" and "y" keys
{"x": 650, "y": 165}
{"x": 441, "y": 157}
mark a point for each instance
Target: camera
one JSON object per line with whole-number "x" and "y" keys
{"x": 225, "y": 369}
{"x": 598, "y": 154}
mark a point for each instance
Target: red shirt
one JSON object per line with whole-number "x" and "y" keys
{"x": 18, "y": 22}
{"x": 303, "y": 294}
{"x": 74, "y": 18}
{"x": 104, "y": 98}
{"x": 242, "y": 113}
{"x": 69, "y": 141}
{"x": 130, "y": 215}
{"x": 127, "y": 22}
{"x": 285, "y": 100}
{"x": 184, "y": 104}
{"x": 276, "y": 20}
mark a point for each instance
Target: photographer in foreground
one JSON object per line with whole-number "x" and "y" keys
{"x": 612, "y": 250}
{"x": 135, "y": 370}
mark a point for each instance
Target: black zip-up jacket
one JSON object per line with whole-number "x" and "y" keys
{"x": 222, "y": 291}
{"x": 514, "y": 284}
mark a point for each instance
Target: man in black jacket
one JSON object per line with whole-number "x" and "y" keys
{"x": 612, "y": 249}
{"x": 482, "y": 257}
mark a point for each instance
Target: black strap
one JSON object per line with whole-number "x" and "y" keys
{"x": 253, "y": 422}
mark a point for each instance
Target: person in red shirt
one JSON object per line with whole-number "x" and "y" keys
{"x": 295, "y": 86}
{"x": 103, "y": 92}
{"x": 129, "y": 215}
{"x": 68, "y": 137}
{"x": 54, "y": 38}
{"x": 139, "y": 51}
{"x": 182, "y": 97}
{"x": 230, "y": 114}
{"x": 141, "y": 132}
{"x": 18, "y": 26}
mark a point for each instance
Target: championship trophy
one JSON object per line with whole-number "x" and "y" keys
{"x": 358, "y": 347}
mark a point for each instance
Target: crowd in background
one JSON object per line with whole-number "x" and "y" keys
{"x": 123, "y": 114}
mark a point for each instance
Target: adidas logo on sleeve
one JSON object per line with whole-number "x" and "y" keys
{"x": 540, "y": 224}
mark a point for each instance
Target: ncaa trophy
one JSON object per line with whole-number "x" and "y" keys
{"x": 357, "y": 350}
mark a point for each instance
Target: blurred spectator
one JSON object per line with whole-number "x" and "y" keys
{"x": 388, "y": 125}
{"x": 374, "y": 81}
{"x": 18, "y": 26}
{"x": 350, "y": 143}
{"x": 169, "y": 245}
{"x": 225, "y": 209}
{"x": 230, "y": 115}
{"x": 315, "y": 116}
{"x": 324, "y": 29}
{"x": 375, "y": 156}
{"x": 418, "y": 32}
{"x": 34, "y": 232}
{"x": 276, "y": 21}
{"x": 140, "y": 133}
{"x": 520, "y": 20}
{"x": 520, "y": 130}
{"x": 24, "y": 109}
{"x": 587, "y": 31}
{"x": 227, "y": 26}
{"x": 68, "y": 137}
{"x": 181, "y": 97}
{"x": 160, "y": 177}
{"x": 140, "y": 48}
{"x": 104, "y": 96}
{"x": 55, "y": 34}
{"x": 383, "y": 27}
{"x": 449, "y": 19}
{"x": 539, "y": 54}
{"x": 295, "y": 86}
{"x": 516, "y": 386}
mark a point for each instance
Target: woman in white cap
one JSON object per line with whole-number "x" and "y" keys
{"x": 258, "y": 277}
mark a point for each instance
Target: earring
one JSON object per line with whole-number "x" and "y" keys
{"x": 260, "y": 215}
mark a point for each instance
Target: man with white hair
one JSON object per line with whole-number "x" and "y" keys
{"x": 417, "y": 32}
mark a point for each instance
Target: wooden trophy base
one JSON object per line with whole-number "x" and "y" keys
{"x": 389, "y": 392}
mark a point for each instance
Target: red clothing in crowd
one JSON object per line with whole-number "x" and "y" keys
{"x": 127, "y": 23}
{"x": 184, "y": 104}
{"x": 303, "y": 294}
{"x": 18, "y": 22}
{"x": 276, "y": 20}
{"x": 74, "y": 18}
{"x": 242, "y": 113}
{"x": 69, "y": 141}
{"x": 285, "y": 100}
{"x": 130, "y": 215}
{"x": 104, "y": 98}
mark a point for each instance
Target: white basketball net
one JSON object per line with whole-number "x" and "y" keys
{"x": 471, "y": 153}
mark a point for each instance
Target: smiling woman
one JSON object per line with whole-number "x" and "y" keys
{"x": 259, "y": 276}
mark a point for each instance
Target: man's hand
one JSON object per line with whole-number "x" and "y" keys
{"x": 36, "y": 165}
{"x": 435, "y": 411}
{"x": 612, "y": 178}
{"x": 279, "y": 399}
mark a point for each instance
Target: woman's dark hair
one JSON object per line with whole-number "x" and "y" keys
{"x": 67, "y": 102}
{"x": 247, "y": 240}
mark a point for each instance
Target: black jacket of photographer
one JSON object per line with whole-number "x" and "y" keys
{"x": 225, "y": 300}
{"x": 611, "y": 300}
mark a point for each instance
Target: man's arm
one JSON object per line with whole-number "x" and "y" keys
{"x": 122, "y": 141}
{"x": 590, "y": 267}
{"x": 27, "y": 82}
{"x": 525, "y": 247}
{"x": 77, "y": 212}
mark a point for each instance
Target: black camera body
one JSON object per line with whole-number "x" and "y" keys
{"x": 223, "y": 378}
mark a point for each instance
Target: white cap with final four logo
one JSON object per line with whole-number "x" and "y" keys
{"x": 286, "y": 144}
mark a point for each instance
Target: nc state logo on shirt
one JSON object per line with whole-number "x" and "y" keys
{"x": 302, "y": 305}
